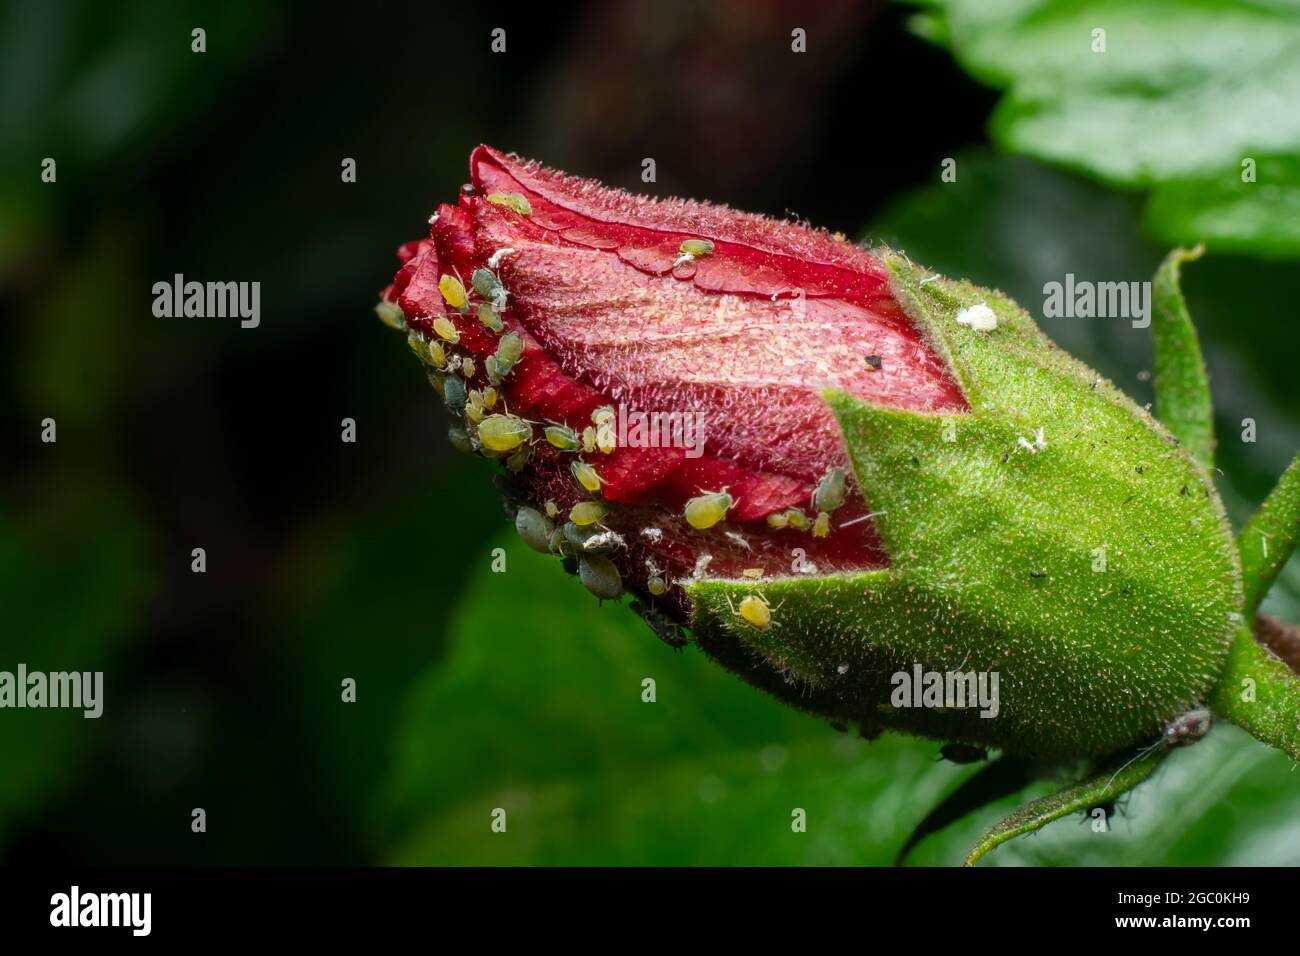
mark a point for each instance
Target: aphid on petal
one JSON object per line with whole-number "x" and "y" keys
{"x": 390, "y": 314}
{"x": 509, "y": 349}
{"x": 696, "y": 247}
{"x": 446, "y": 330}
{"x": 586, "y": 476}
{"x": 488, "y": 316}
{"x": 562, "y": 438}
{"x": 589, "y": 439}
{"x": 516, "y": 201}
{"x": 822, "y": 526}
{"x": 453, "y": 292}
{"x": 486, "y": 284}
{"x": 503, "y": 432}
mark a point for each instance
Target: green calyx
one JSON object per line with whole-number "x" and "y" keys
{"x": 1056, "y": 536}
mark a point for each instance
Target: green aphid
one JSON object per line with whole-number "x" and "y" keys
{"x": 519, "y": 460}
{"x": 489, "y": 317}
{"x": 565, "y": 439}
{"x": 830, "y": 491}
{"x": 486, "y": 284}
{"x": 454, "y": 393}
{"x": 492, "y": 369}
{"x": 535, "y": 528}
{"x": 696, "y": 248}
{"x": 587, "y": 512}
{"x": 509, "y": 349}
{"x": 391, "y": 315}
{"x": 599, "y": 576}
{"x": 459, "y": 439}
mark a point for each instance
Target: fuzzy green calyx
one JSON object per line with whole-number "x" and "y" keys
{"x": 1055, "y": 535}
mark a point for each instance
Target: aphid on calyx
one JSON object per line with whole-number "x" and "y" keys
{"x": 754, "y": 610}
{"x": 503, "y": 432}
{"x": 519, "y": 460}
{"x": 467, "y": 367}
{"x": 454, "y": 393}
{"x": 552, "y": 509}
{"x": 830, "y": 491}
{"x": 706, "y": 510}
{"x": 459, "y": 439}
{"x": 562, "y": 438}
{"x": 453, "y": 292}
{"x": 587, "y": 512}
{"x": 535, "y": 528}
{"x": 516, "y": 201}
{"x": 585, "y": 475}
{"x": 446, "y": 330}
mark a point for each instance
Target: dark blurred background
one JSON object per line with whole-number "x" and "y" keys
{"x": 328, "y": 560}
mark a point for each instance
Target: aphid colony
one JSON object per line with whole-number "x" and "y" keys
{"x": 485, "y": 426}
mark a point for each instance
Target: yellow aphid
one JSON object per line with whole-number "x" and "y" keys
{"x": 453, "y": 292}
{"x": 489, "y": 398}
{"x": 778, "y": 520}
{"x": 436, "y": 355}
{"x": 562, "y": 438}
{"x": 695, "y": 247}
{"x": 503, "y": 432}
{"x": 589, "y": 439}
{"x": 516, "y": 201}
{"x": 603, "y": 414}
{"x": 752, "y": 573}
{"x": 797, "y": 519}
{"x": 552, "y": 509}
{"x": 707, "y": 510}
{"x": 822, "y": 526}
{"x": 467, "y": 368}
{"x": 585, "y": 476}
{"x": 606, "y": 439}
{"x": 587, "y": 512}
{"x": 656, "y": 585}
{"x": 445, "y": 329}
{"x": 474, "y": 413}
{"x": 754, "y": 610}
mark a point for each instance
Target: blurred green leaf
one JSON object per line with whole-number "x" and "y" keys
{"x": 1140, "y": 95}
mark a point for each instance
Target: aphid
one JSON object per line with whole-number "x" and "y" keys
{"x": 589, "y": 439}
{"x": 778, "y": 520}
{"x": 606, "y": 440}
{"x": 798, "y": 520}
{"x": 873, "y": 362}
{"x": 435, "y": 379}
{"x": 416, "y": 341}
{"x": 508, "y": 351}
{"x": 503, "y": 432}
{"x": 587, "y": 512}
{"x": 557, "y": 543}
{"x": 446, "y": 330}
{"x": 585, "y": 475}
{"x": 435, "y": 354}
{"x": 486, "y": 284}
{"x": 822, "y": 526}
{"x": 552, "y": 509}
{"x": 453, "y": 292}
{"x": 488, "y": 316}
{"x": 600, "y": 577}
{"x": 963, "y": 753}
{"x": 752, "y": 573}
{"x": 656, "y": 584}
{"x": 535, "y": 528}
{"x": 474, "y": 406}
{"x": 1187, "y": 728}
{"x": 562, "y": 438}
{"x": 706, "y": 510}
{"x": 755, "y": 611}
{"x": 467, "y": 368}
{"x": 602, "y": 415}
{"x": 695, "y": 248}
{"x": 492, "y": 370}
{"x": 390, "y": 314}
{"x": 516, "y": 201}
{"x": 519, "y": 460}
{"x": 665, "y": 628}
{"x": 453, "y": 393}
{"x": 489, "y": 398}
{"x": 459, "y": 439}
{"x": 830, "y": 491}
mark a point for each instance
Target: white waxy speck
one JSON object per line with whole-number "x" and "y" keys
{"x": 978, "y": 317}
{"x": 494, "y": 260}
{"x": 654, "y": 535}
{"x": 433, "y": 219}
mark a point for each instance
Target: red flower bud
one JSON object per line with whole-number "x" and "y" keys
{"x": 727, "y": 326}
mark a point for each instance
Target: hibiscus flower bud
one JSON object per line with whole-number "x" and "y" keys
{"x": 826, "y": 466}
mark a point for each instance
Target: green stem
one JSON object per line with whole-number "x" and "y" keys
{"x": 1260, "y": 694}
{"x": 1181, "y": 384}
{"x": 1269, "y": 538}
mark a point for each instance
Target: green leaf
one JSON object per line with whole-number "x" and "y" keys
{"x": 1182, "y": 387}
{"x": 1182, "y": 91}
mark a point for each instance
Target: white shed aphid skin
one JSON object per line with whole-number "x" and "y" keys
{"x": 653, "y": 535}
{"x": 1185, "y": 729}
{"x": 494, "y": 260}
{"x": 1034, "y": 447}
{"x": 740, "y": 539}
{"x": 979, "y": 317}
